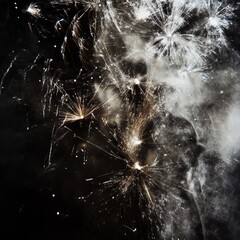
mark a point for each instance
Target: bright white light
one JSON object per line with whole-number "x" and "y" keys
{"x": 135, "y": 141}
{"x": 34, "y": 10}
{"x": 142, "y": 12}
{"x": 137, "y": 166}
{"x": 213, "y": 21}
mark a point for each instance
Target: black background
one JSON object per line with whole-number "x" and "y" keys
{"x": 27, "y": 206}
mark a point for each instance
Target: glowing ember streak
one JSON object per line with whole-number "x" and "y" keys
{"x": 34, "y": 10}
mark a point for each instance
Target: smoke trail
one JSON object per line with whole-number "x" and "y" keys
{"x": 141, "y": 101}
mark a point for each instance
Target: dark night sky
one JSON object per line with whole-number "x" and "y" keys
{"x": 28, "y": 209}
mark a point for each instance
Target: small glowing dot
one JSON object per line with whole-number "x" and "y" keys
{"x": 53, "y": 195}
{"x": 137, "y": 166}
{"x": 58, "y": 213}
{"x": 135, "y": 141}
{"x": 136, "y": 81}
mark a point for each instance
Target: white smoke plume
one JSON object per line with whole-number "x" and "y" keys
{"x": 147, "y": 94}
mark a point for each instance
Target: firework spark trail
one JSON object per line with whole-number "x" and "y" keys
{"x": 34, "y": 10}
{"x": 137, "y": 106}
{"x": 7, "y": 71}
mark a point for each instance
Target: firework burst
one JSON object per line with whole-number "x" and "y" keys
{"x": 126, "y": 92}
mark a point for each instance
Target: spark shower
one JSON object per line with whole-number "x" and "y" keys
{"x": 131, "y": 114}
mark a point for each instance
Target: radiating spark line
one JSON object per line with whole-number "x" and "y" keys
{"x": 148, "y": 193}
{"x": 132, "y": 229}
{"x": 52, "y": 140}
{"x": 7, "y": 71}
{"x": 98, "y": 147}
